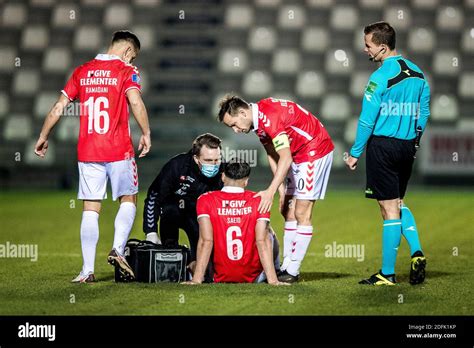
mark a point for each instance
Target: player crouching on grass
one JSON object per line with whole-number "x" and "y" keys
{"x": 232, "y": 228}
{"x": 171, "y": 198}
{"x": 106, "y": 86}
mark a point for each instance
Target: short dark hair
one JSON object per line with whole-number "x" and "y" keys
{"x": 382, "y": 33}
{"x": 125, "y": 35}
{"x": 231, "y": 104}
{"x": 208, "y": 139}
{"x": 236, "y": 169}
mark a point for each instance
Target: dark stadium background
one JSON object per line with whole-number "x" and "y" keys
{"x": 193, "y": 52}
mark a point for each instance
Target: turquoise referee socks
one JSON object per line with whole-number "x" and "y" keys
{"x": 392, "y": 234}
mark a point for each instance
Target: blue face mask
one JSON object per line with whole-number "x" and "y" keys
{"x": 209, "y": 170}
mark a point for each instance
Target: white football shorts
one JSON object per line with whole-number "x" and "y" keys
{"x": 308, "y": 180}
{"x": 123, "y": 176}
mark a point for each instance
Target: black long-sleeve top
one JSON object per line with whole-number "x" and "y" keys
{"x": 179, "y": 182}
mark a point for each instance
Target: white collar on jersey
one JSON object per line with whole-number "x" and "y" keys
{"x": 254, "y": 108}
{"x": 232, "y": 189}
{"x": 103, "y": 56}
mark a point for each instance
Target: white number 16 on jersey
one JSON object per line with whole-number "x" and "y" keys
{"x": 96, "y": 116}
{"x": 235, "y": 248}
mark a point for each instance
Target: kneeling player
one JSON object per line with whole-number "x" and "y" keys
{"x": 229, "y": 222}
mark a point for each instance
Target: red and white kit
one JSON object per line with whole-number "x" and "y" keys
{"x": 234, "y": 214}
{"x": 310, "y": 144}
{"x": 105, "y": 146}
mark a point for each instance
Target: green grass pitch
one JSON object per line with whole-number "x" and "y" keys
{"x": 328, "y": 286}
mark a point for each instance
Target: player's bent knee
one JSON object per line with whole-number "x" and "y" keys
{"x": 170, "y": 212}
{"x": 128, "y": 198}
{"x": 92, "y": 206}
{"x": 288, "y": 208}
{"x": 289, "y": 216}
{"x": 303, "y": 212}
{"x": 303, "y": 217}
{"x": 390, "y": 209}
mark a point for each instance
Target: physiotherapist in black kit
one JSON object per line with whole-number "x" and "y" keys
{"x": 171, "y": 198}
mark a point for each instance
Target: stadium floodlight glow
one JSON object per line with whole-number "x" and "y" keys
{"x": 422, "y": 33}
{"x": 340, "y": 55}
{"x": 450, "y": 12}
{"x": 444, "y": 100}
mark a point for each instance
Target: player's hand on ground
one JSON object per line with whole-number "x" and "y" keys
{"x": 278, "y": 283}
{"x": 351, "y": 162}
{"x": 144, "y": 145}
{"x": 265, "y": 202}
{"x": 41, "y": 147}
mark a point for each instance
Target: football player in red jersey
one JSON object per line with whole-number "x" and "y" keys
{"x": 106, "y": 87}
{"x": 299, "y": 149}
{"x": 231, "y": 227}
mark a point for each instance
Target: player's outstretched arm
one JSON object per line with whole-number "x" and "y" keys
{"x": 51, "y": 119}
{"x": 204, "y": 249}
{"x": 284, "y": 163}
{"x": 141, "y": 115}
{"x": 272, "y": 157}
{"x": 265, "y": 252}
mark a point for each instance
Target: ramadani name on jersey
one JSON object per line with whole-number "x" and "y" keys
{"x": 97, "y": 89}
{"x": 234, "y": 211}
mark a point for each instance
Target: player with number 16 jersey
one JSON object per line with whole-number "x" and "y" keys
{"x": 105, "y": 86}
{"x": 101, "y": 85}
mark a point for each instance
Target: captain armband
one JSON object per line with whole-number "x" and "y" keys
{"x": 281, "y": 141}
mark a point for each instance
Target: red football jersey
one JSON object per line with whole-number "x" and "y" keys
{"x": 234, "y": 214}
{"x": 309, "y": 140}
{"x": 101, "y": 86}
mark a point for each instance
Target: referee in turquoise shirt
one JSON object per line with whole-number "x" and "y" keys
{"x": 395, "y": 109}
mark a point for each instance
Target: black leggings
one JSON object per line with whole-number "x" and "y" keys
{"x": 173, "y": 218}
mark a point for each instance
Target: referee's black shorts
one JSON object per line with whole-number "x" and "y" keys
{"x": 389, "y": 163}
